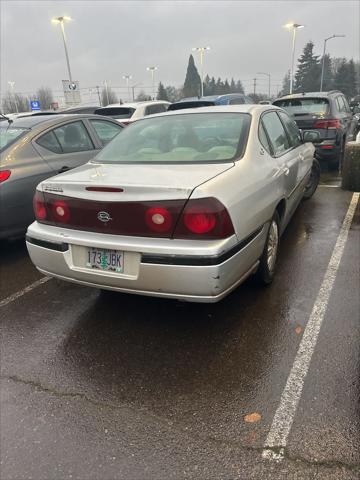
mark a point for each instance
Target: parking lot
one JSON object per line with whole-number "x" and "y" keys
{"x": 104, "y": 385}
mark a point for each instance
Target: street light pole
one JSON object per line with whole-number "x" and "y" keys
{"x": 269, "y": 77}
{"x": 201, "y": 51}
{"x": 323, "y": 59}
{"x": 12, "y": 86}
{"x": 294, "y": 27}
{"x": 62, "y": 20}
{"x": 152, "y": 71}
{"x": 127, "y": 78}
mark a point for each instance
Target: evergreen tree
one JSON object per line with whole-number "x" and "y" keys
{"x": 232, "y": 86}
{"x": 207, "y": 85}
{"x": 345, "y": 78}
{"x": 212, "y": 86}
{"x": 328, "y": 81}
{"x": 239, "y": 87}
{"x": 226, "y": 87}
{"x": 162, "y": 94}
{"x": 172, "y": 94}
{"x": 308, "y": 71}
{"x": 192, "y": 84}
{"x": 219, "y": 87}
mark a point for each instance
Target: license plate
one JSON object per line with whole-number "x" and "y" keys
{"x": 105, "y": 260}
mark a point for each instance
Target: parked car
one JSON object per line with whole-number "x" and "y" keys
{"x": 182, "y": 205}
{"x": 37, "y": 147}
{"x": 328, "y": 113}
{"x": 90, "y": 109}
{"x": 127, "y": 113}
{"x": 210, "y": 101}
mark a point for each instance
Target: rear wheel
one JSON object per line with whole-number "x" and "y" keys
{"x": 266, "y": 271}
{"x": 313, "y": 182}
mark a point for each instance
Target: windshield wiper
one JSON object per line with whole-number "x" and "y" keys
{"x": 6, "y": 118}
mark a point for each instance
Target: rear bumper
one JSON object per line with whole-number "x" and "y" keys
{"x": 206, "y": 272}
{"x": 329, "y": 154}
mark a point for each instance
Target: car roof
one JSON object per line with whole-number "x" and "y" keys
{"x": 136, "y": 104}
{"x": 49, "y": 120}
{"x": 309, "y": 94}
{"x": 211, "y": 97}
{"x": 243, "y": 108}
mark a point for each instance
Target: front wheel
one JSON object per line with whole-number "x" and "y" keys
{"x": 266, "y": 271}
{"x": 313, "y": 182}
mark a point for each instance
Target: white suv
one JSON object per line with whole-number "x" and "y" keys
{"x": 129, "y": 112}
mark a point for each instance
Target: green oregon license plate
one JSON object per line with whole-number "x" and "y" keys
{"x": 106, "y": 260}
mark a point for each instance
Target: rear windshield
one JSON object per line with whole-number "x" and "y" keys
{"x": 193, "y": 138}
{"x": 9, "y": 135}
{"x": 195, "y": 104}
{"x": 116, "y": 112}
{"x": 298, "y": 106}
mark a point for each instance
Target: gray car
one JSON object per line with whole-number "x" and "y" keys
{"x": 35, "y": 148}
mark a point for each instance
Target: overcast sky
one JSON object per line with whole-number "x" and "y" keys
{"x": 108, "y": 39}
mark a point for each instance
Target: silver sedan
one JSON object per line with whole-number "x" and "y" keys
{"x": 182, "y": 205}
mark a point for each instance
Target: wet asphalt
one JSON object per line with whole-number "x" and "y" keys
{"x": 110, "y": 386}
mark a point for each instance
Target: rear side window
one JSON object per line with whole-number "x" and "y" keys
{"x": 292, "y": 129}
{"x": 50, "y": 142}
{"x": 263, "y": 138}
{"x": 105, "y": 130}
{"x": 237, "y": 101}
{"x": 276, "y": 133}
{"x": 9, "y": 135}
{"x": 73, "y": 137}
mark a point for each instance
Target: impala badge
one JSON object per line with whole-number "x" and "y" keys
{"x": 104, "y": 217}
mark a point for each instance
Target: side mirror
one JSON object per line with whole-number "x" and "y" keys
{"x": 311, "y": 136}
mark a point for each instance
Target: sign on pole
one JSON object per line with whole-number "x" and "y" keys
{"x": 34, "y": 105}
{"x": 71, "y": 92}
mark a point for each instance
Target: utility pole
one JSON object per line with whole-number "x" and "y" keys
{"x": 106, "y": 91}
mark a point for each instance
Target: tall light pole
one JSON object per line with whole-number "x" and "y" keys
{"x": 201, "y": 51}
{"x": 62, "y": 20}
{"x": 133, "y": 89}
{"x": 323, "y": 58}
{"x": 152, "y": 70}
{"x": 127, "y": 78}
{"x": 294, "y": 27}
{"x": 106, "y": 91}
{"x": 12, "y": 86}
{"x": 269, "y": 77}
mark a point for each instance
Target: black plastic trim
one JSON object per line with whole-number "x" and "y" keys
{"x": 59, "y": 247}
{"x": 197, "y": 260}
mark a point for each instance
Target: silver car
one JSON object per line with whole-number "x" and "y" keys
{"x": 37, "y": 147}
{"x": 183, "y": 205}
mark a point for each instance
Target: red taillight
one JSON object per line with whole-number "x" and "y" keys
{"x": 60, "y": 211}
{"x": 204, "y": 218}
{"x": 323, "y": 124}
{"x": 159, "y": 219}
{"x": 4, "y": 175}
{"x": 39, "y": 206}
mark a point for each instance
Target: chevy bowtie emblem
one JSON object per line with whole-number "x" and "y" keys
{"x": 104, "y": 217}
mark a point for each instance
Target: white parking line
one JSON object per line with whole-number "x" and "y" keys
{"x": 22, "y": 292}
{"x": 280, "y": 428}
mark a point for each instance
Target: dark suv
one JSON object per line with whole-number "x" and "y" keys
{"x": 328, "y": 113}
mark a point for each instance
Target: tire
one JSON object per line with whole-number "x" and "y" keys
{"x": 313, "y": 182}
{"x": 266, "y": 271}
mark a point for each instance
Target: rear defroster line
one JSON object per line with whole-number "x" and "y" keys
{"x": 276, "y": 441}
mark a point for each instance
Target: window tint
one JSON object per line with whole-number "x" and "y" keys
{"x": 276, "y": 133}
{"x": 49, "y": 141}
{"x": 152, "y": 109}
{"x": 298, "y": 106}
{"x": 116, "y": 112}
{"x": 73, "y": 137}
{"x": 292, "y": 130}
{"x": 105, "y": 130}
{"x": 263, "y": 138}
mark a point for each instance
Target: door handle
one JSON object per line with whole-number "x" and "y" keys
{"x": 286, "y": 171}
{"x": 63, "y": 169}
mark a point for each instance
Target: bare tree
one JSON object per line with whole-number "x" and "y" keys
{"x": 108, "y": 96}
{"x": 45, "y": 96}
{"x": 15, "y": 102}
{"x": 142, "y": 97}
